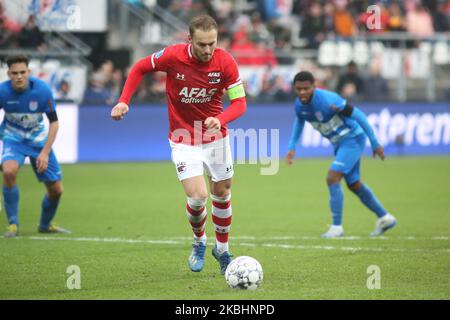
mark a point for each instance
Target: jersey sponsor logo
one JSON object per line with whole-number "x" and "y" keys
{"x": 214, "y": 77}
{"x": 33, "y": 105}
{"x": 25, "y": 120}
{"x": 180, "y": 76}
{"x": 196, "y": 95}
{"x": 333, "y": 126}
{"x": 214, "y": 80}
{"x": 159, "y": 54}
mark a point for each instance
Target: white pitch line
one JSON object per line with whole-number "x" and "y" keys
{"x": 440, "y": 238}
{"x": 119, "y": 240}
{"x": 243, "y": 244}
{"x": 349, "y": 238}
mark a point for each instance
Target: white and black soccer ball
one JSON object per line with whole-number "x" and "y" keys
{"x": 244, "y": 273}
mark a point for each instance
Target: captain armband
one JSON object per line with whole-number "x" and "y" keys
{"x": 52, "y": 116}
{"x": 236, "y": 92}
{"x": 347, "y": 111}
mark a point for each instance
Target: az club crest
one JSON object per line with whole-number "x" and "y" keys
{"x": 181, "y": 167}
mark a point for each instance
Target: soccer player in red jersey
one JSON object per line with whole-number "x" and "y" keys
{"x": 198, "y": 74}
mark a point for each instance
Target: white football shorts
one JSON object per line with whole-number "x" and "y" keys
{"x": 215, "y": 158}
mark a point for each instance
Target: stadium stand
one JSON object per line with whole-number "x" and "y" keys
{"x": 402, "y": 44}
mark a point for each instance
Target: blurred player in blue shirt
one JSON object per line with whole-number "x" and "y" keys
{"x": 346, "y": 127}
{"x": 24, "y": 100}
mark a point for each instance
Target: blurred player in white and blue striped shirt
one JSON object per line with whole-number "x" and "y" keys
{"x": 347, "y": 128}
{"x": 25, "y": 99}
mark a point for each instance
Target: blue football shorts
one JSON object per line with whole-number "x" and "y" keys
{"x": 347, "y": 157}
{"x": 17, "y": 151}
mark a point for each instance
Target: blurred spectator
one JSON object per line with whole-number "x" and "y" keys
{"x": 63, "y": 91}
{"x": 259, "y": 31}
{"x": 158, "y": 87}
{"x": 376, "y": 88}
{"x": 396, "y": 20}
{"x": 274, "y": 87}
{"x": 350, "y": 84}
{"x": 6, "y": 35}
{"x": 268, "y": 10}
{"x": 107, "y": 70}
{"x": 328, "y": 18}
{"x": 282, "y": 90}
{"x": 9, "y": 23}
{"x": 116, "y": 82}
{"x": 344, "y": 23}
{"x": 419, "y": 22}
{"x": 151, "y": 89}
{"x": 263, "y": 55}
{"x": 97, "y": 93}
{"x": 313, "y": 26}
{"x": 283, "y": 52}
{"x": 31, "y": 36}
{"x": 242, "y": 48}
{"x": 441, "y": 18}
{"x": 224, "y": 42}
{"x": 143, "y": 92}
{"x": 225, "y": 19}
{"x": 242, "y": 26}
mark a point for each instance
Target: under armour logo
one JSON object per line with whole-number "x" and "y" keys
{"x": 180, "y": 76}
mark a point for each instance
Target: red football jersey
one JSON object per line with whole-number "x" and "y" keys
{"x": 194, "y": 89}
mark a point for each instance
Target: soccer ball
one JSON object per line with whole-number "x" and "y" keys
{"x": 244, "y": 273}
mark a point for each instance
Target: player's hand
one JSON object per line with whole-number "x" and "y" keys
{"x": 290, "y": 157}
{"x": 379, "y": 152}
{"x": 119, "y": 111}
{"x": 212, "y": 124}
{"x": 42, "y": 162}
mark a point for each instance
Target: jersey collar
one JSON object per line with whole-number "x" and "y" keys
{"x": 190, "y": 51}
{"x": 194, "y": 58}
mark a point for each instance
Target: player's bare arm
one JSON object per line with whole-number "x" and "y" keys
{"x": 135, "y": 77}
{"x": 42, "y": 159}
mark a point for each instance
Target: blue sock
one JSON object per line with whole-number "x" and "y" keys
{"x": 11, "y": 199}
{"x": 369, "y": 199}
{"x": 336, "y": 203}
{"x": 49, "y": 207}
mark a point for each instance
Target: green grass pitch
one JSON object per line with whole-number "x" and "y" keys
{"x": 131, "y": 238}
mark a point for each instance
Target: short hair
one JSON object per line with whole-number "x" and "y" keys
{"x": 19, "y": 58}
{"x": 202, "y": 22}
{"x": 304, "y": 76}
